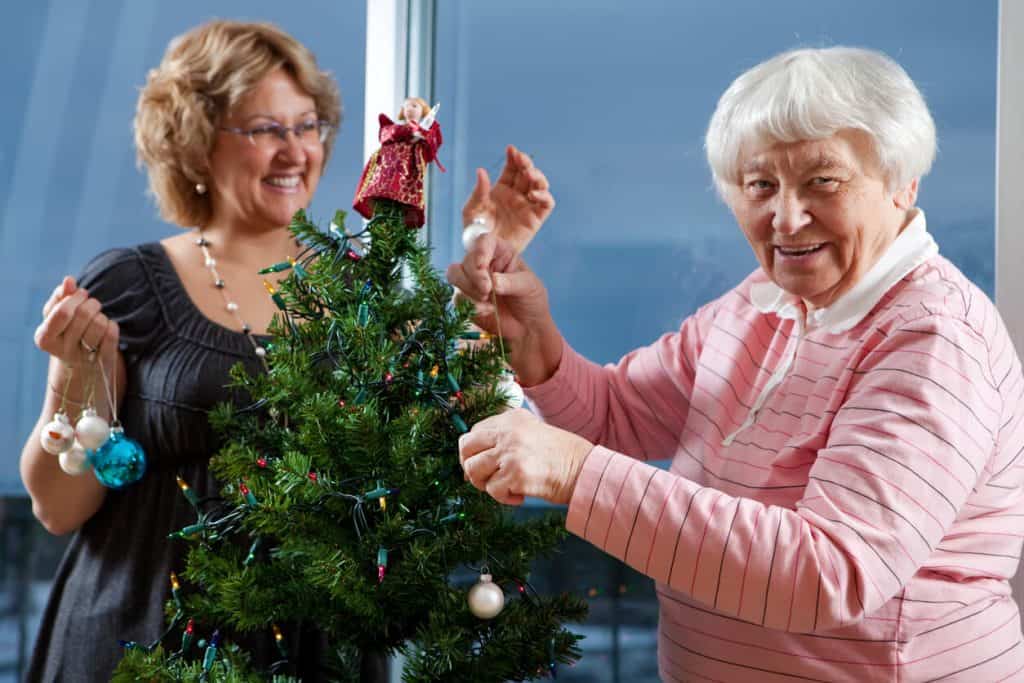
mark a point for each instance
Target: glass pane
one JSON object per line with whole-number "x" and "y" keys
{"x": 611, "y": 100}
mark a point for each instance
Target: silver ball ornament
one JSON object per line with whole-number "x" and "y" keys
{"x": 486, "y": 599}
{"x": 58, "y": 435}
{"x": 479, "y": 226}
{"x": 73, "y": 461}
{"x": 512, "y": 390}
{"x": 92, "y": 431}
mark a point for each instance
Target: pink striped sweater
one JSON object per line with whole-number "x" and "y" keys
{"x": 845, "y": 496}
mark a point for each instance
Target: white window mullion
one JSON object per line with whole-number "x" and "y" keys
{"x": 387, "y": 26}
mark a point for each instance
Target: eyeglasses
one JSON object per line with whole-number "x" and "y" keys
{"x": 307, "y": 132}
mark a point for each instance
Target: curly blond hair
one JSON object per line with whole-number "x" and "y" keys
{"x": 203, "y": 74}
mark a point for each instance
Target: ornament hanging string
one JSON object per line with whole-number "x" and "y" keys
{"x": 64, "y": 393}
{"x": 111, "y": 402}
{"x": 497, "y": 320}
{"x": 89, "y": 395}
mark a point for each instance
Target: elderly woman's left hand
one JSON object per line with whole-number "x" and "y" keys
{"x": 517, "y": 205}
{"x": 515, "y": 454}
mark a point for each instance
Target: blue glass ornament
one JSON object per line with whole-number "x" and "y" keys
{"x": 118, "y": 462}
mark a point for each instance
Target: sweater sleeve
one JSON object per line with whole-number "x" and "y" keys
{"x": 905, "y": 449}
{"x": 637, "y": 406}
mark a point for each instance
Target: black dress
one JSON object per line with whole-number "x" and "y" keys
{"x": 114, "y": 578}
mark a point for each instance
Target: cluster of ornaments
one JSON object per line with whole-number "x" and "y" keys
{"x": 115, "y": 459}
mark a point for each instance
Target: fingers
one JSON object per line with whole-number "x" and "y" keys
{"x": 478, "y": 202}
{"x": 473, "y": 275}
{"x": 76, "y": 330}
{"x": 476, "y": 441}
{"x": 483, "y": 187}
{"x": 484, "y": 471}
{"x": 108, "y": 344}
{"x": 492, "y": 457}
{"x": 498, "y": 489}
{"x": 62, "y": 314}
{"x": 517, "y": 284}
{"x": 75, "y": 321}
{"x": 480, "y": 468}
{"x": 513, "y": 162}
{"x": 64, "y": 289}
{"x": 531, "y": 182}
{"x": 543, "y": 200}
{"x": 478, "y": 455}
{"x": 96, "y": 331}
{"x": 527, "y": 178}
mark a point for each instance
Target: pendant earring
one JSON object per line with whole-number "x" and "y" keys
{"x": 200, "y": 188}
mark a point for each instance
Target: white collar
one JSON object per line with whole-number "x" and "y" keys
{"x": 912, "y": 247}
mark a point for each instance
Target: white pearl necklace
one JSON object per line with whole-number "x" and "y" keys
{"x": 221, "y": 286}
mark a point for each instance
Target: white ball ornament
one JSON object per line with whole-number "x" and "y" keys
{"x": 511, "y": 388}
{"x": 486, "y": 599}
{"x": 73, "y": 461}
{"x": 92, "y": 431}
{"x": 479, "y": 226}
{"x": 58, "y": 435}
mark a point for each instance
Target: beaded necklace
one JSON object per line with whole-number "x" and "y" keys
{"x": 230, "y": 305}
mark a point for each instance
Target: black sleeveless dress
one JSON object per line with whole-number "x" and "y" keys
{"x": 113, "y": 580}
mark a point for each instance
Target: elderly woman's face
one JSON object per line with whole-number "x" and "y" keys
{"x": 817, "y": 213}
{"x": 259, "y": 183}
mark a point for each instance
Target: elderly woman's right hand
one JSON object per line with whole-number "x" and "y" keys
{"x": 73, "y": 324}
{"x": 493, "y": 271}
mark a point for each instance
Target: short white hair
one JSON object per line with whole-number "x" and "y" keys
{"x": 810, "y": 94}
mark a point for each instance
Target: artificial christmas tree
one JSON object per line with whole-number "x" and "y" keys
{"x": 344, "y": 509}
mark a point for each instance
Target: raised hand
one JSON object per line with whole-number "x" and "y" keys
{"x": 73, "y": 326}
{"x": 517, "y": 205}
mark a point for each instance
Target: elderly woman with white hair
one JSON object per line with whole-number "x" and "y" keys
{"x": 845, "y": 425}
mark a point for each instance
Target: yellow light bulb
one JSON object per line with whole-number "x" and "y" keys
{"x": 174, "y": 582}
{"x": 277, "y": 633}
{"x": 182, "y": 483}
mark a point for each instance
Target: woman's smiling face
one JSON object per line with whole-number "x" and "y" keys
{"x": 818, "y": 213}
{"x": 262, "y": 184}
